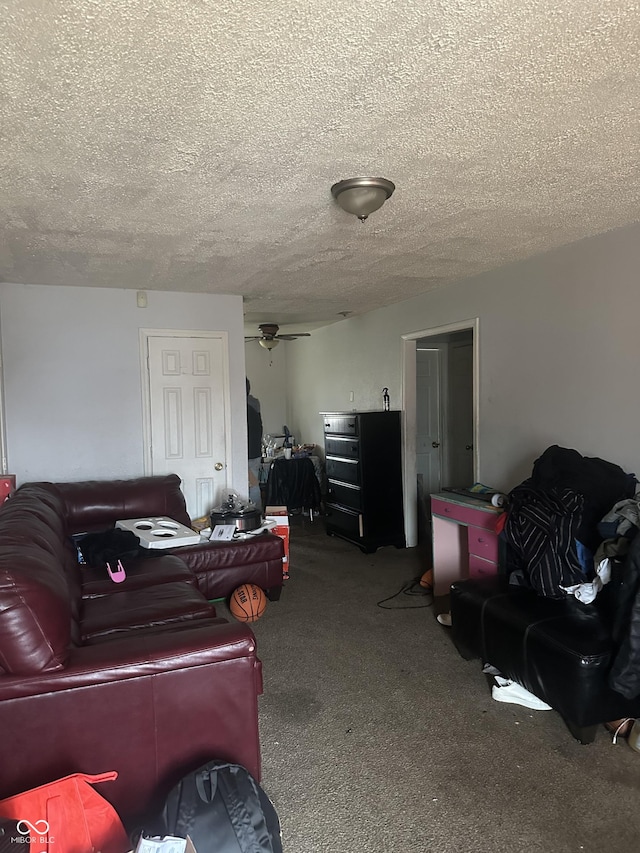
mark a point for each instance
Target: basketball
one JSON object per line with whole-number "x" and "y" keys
{"x": 248, "y": 602}
{"x": 426, "y": 580}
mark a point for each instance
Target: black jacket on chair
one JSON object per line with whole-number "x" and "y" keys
{"x": 293, "y": 483}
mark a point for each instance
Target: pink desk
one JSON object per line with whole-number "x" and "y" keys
{"x": 465, "y": 542}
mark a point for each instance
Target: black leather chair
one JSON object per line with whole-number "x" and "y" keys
{"x": 559, "y": 650}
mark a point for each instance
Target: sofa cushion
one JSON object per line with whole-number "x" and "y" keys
{"x": 127, "y": 612}
{"x": 35, "y": 611}
{"x": 98, "y": 504}
{"x": 141, "y": 573}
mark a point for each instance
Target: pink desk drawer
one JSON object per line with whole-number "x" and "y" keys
{"x": 479, "y": 568}
{"x": 464, "y": 514}
{"x": 483, "y": 543}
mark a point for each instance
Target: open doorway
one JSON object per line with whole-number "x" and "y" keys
{"x": 441, "y": 418}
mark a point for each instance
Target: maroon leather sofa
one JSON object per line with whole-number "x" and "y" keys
{"x": 220, "y": 567}
{"x": 140, "y": 677}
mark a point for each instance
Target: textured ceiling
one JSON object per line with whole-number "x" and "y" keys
{"x": 191, "y": 144}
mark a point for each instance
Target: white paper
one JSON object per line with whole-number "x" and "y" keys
{"x": 223, "y": 532}
{"x": 168, "y": 844}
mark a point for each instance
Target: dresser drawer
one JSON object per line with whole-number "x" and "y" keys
{"x": 344, "y": 521}
{"x": 341, "y": 493}
{"x": 479, "y": 568}
{"x": 344, "y": 470}
{"x": 465, "y": 514}
{"x": 483, "y": 543}
{"x": 341, "y": 424}
{"x": 335, "y": 445}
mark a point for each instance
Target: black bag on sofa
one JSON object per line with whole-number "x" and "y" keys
{"x": 222, "y": 809}
{"x": 109, "y": 546}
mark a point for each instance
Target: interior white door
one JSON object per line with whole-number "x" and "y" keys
{"x": 461, "y": 415}
{"x": 428, "y": 449}
{"x": 188, "y": 384}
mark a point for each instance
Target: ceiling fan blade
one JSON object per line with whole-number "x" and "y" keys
{"x": 293, "y": 336}
{"x": 255, "y": 338}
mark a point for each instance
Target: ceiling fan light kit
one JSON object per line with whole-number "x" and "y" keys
{"x": 269, "y": 337}
{"x": 268, "y": 343}
{"x": 362, "y": 196}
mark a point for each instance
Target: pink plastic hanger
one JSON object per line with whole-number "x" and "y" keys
{"x": 119, "y": 575}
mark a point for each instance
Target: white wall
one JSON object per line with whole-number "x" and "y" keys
{"x": 267, "y": 372}
{"x": 559, "y": 355}
{"x": 270, "y": 384}
{"x": 73, "y": 398}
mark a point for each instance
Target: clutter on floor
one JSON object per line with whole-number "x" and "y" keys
{"x": 415, "y": 588}
{"x": 560, "y": 615}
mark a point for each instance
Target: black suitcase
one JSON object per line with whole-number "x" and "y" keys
{"x": 222, "y": 809}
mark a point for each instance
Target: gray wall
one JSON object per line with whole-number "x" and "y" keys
{"x": 559, "y": 355}
{"x": 267, "y": 372}
{"x": 558, "y": 363}
{"x": 72, "y": 376}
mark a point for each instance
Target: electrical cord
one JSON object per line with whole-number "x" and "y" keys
{"x": 412, "y": 588}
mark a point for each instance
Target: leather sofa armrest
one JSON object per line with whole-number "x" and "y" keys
{"x": 181, "y": 647}
{"x": 208, "y": 556}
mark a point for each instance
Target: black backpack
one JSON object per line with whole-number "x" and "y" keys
{"x": 222, "y": 809}
{"x": 108, "y": 546}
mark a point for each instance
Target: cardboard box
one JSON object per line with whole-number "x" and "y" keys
{"x": 280, "y": 515}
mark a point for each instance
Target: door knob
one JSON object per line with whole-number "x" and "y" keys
{"x": 435, "y": 444}
{"x": 468, "y": 447}
{"x": 218, "y": 466}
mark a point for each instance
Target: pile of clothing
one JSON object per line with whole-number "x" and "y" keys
{"x": 553, "y": 523}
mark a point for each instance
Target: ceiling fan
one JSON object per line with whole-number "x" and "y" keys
{"x": 269, "y": 337}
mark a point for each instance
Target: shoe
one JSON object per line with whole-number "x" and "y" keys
{"x": 505, "y": 690}
{"x": 620, "y": 728}
{"x": 444, "y": 619}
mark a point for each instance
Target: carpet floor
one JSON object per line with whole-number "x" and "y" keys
{"x": 377, "y": 736}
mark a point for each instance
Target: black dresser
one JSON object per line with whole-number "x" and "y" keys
{"x": 363, "y": 453}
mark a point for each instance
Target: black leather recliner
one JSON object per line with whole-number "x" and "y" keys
{"x": 562, "y": 651}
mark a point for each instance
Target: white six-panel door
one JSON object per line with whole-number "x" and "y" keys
{"x": 188, "y": 401}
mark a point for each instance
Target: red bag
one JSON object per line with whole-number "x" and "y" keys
{"x": 67, "y": 816}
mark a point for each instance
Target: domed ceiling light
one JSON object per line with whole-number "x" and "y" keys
{"x": 361, "y": 196}
{"x": 268, "y": 343}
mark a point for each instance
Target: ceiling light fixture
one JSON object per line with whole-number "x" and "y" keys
{"x": 268, "y": 343}
{"x": 361, "y": 196}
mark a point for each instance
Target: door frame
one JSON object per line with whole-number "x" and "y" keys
{"x": 144, "y": 335}
{"x": 408, "y": 380}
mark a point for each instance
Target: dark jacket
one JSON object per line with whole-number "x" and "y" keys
{"x": 625, "y": 672}
{"x": 254, "y": 430}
